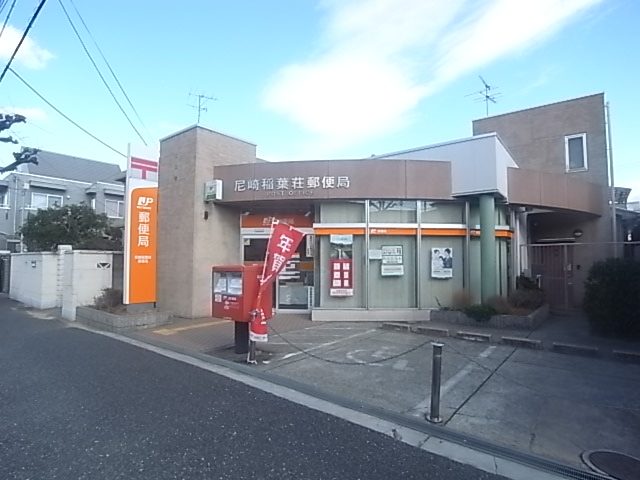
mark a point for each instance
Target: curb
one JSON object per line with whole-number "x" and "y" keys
{"x": 473, "y": 336}
{"x": 523, "y": 342}
{"x": 397, "y": 326}
{"x": 628, "y": 356}
{"x": 575, "y": 349}
{"x": 433, "y": 331}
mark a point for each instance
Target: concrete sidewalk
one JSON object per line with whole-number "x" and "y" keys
{"x": 535, "y": 401}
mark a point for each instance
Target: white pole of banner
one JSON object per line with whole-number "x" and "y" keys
{"x": 127, "y": 230}
{"x": 251, "y": 354}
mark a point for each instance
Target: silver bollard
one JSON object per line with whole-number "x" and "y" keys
{"x": 251, "y": 353}
{"x": 436, "y": 372}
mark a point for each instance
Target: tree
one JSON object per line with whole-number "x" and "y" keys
{"x": 76, "y": 225}
{"x": 27, "y": 155}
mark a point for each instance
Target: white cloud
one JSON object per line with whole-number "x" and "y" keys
{"x": 30, "y": 55}
{"x": 378, "y": 59}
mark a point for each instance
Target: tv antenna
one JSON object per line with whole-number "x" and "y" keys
{"x": 486, "y": 95}
{"x": 202, "y": 102}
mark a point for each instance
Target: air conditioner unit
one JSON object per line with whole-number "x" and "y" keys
{"x": 213, "y": 190}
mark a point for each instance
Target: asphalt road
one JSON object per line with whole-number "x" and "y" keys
{"x": 76, "y": 405}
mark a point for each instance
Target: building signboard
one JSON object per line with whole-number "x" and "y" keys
{"x": 141, "y": 232}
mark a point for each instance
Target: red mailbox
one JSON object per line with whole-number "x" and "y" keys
{"x": 235, "y": 288}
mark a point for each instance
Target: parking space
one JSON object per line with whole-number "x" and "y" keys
{"x": 541, "y": 402}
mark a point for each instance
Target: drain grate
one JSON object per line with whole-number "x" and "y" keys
{"x": 615, "y": 464}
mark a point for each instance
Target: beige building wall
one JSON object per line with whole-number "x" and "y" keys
{"x": 536, "y": 139}
{"x": 190, "y": 242}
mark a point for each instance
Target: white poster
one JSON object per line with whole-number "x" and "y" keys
{"x": 442, "y": 262}
{"x": 392, "y": 264}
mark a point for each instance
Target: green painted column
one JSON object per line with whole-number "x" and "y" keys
{"x": 487, "y": 247}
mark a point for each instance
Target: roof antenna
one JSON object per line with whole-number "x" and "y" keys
{"x": 486, "y": 94}
{"x": 202, "y": 101}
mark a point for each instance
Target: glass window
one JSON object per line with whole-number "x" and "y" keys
{"x": 114, "y": 208}
{"x": 342, "y": 287}
{"x": 392, "y": 272}
{"x": 44, "y": 200}
{"x": 441, "y": 271}
{"x": 576, "y": 152}
{"x": 392, "y": 211}
{"x": 4, "y": 199}
{"x": 441, "y": 212}
{"x": 344, "y": 212}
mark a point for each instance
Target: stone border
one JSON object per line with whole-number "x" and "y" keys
{"x": 529, "y": 322}
{"x": 110, "y": 321}
{"x": 628, "y": 356}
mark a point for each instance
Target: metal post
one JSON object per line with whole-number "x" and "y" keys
{"x": 251, "y": 355}
{"x": 436, "y": 372}
{"x": 612, "y": 185}
{"x": 241, "y": 330}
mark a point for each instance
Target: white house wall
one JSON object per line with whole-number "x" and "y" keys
{"x": 65, "y": 279}
{"x": 88, "y": 273}
{"x": 34, "y": 279}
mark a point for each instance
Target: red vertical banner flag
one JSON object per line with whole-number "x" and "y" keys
{"x": 283, "y": 243}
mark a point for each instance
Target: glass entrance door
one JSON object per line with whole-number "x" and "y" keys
{"x": 293, "y": 286}
{"x": 296, "y": 281}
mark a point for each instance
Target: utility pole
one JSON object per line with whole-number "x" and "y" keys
{"x": 202, "y": 101}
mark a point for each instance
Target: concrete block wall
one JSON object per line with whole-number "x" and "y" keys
{"x": 190, "y": 242}
{"x": 64, "y": 279}
{"x": 34, "y": 278}
{"x": 87, "y": 274}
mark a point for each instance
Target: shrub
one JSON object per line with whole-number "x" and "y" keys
{"x": 500, "y": 305}
{"x": 480, "y": 313}
{"x": 527, "y": 299}
{"x": 612, "y": 298}
{"x": 109, "y": 300}
{"x": 460, "y": 299}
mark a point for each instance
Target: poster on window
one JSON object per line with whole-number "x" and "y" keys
{"x": 442, "y": 262}
{"x": 341, "y": 265}
{"x": 341, "y": 277}
{"x": 392, "y": 263}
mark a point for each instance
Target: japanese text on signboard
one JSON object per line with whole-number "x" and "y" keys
{"x": 291, "y": 183}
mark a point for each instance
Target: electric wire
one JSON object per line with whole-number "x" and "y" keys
{"x": 24, "y": 35}
{"x": 100, "y": 73}
{"x": 63, "y": 115}
{"x": 6, "y": 20}
{"x": 113, "y": 74}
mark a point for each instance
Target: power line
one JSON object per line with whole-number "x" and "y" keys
{"x": 63, "y": 115}
{"x": 24, "y": 35}
{"x": 100, "y": 74}
{"x": 115, "y": 77}
{"x": 6, "y": 20}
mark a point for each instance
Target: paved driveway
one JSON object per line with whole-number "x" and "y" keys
{"x": 551, "y": 404}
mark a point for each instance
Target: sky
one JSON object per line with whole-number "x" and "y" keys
{"x": 305, "y": 79}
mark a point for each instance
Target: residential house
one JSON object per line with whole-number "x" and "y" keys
{"x": 55, "y": 181}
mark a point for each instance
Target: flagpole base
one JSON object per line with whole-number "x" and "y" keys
{"x": 241, "y": 337}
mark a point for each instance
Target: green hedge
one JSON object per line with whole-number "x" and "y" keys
{"x": 612, "y": 298}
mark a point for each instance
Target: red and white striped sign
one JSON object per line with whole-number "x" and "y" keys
{"x": 146, "y": 169}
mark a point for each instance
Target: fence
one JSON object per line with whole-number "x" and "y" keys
{"x": 562, "y": 268}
